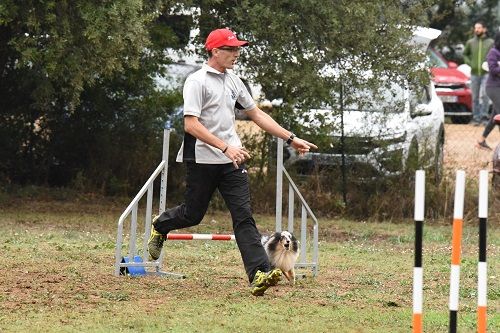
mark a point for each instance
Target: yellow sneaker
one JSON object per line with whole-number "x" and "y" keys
{"x": 262, "y": 281}
{"x": 155, "y": 242}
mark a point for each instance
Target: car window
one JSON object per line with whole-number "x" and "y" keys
{"x": 419, "y": 95}
{"x": 435, "y": 60}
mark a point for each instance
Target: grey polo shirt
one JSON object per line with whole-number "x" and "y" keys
{"x": 212, "y": 97}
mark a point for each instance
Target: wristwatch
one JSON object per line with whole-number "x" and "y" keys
{"x": 290, "y": 139}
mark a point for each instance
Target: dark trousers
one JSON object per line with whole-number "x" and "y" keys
{"x": 201, "y": 182}
{"x": 494, "y": 94}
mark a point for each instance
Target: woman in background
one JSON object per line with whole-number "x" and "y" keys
{"x": 492, "y": 89}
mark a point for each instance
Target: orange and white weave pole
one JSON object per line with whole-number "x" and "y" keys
{"x": 417, "y": 269}
{"x": 481, "y": 266}
{"x": 456, "y": 244}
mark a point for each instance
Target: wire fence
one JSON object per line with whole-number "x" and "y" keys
{"x": 460, "y": 151}
{"x": 363, "y": 199}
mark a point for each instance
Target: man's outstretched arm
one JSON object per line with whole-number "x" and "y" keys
{"x": 268, "y": 124}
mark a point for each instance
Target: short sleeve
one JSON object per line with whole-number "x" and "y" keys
{"x": 193, "y": 95}
{"x": 244, "y": 97}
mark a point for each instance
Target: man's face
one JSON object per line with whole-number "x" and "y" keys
{"x": 227, "y": 55}
{"x": 479, "y": 29}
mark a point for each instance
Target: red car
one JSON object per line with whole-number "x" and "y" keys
{"x": 452, "y": 86}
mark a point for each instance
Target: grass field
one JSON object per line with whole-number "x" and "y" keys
{"x": 57, "y": 276}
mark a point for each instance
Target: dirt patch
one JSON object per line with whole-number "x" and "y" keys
{"x": 460, "y": 151}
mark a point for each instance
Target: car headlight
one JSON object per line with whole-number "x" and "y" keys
{"x": 467, "y": 84}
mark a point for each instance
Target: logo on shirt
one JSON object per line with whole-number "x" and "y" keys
{"x": 233, "y": 94}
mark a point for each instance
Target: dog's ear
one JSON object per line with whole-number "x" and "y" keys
{"x": 277, "y": 235}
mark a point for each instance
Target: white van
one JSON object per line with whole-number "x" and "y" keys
{"x": 383, "y": 133}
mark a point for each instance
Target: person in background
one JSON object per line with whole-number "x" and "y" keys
{"x": 492, "y": 89}
{"x": 475, "y": 52}
{"x": 215, "y": 158}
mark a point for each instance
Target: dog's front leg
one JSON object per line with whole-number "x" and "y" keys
{"x": 287, "y": 275}
{"x": 292, "y": 276}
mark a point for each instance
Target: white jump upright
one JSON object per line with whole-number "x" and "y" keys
{"x": 133, "y": 263}
{"x": 293, "y": 191}
{"x": 136, "y": 263}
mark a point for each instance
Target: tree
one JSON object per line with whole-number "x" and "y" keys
{"x": 71, "y": 44}
{"x": 294, "y": 42}
{"x": 456, "y": 19}
{"x": 320, "y": 54}
{"x": 78, "y": 74}
{"x": 304, "y": 52}
{"x": 76, "y": 78}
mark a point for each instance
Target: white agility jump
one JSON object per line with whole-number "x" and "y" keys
{"x": 133, "y": 263}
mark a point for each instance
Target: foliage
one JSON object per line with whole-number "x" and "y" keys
{"x": 303, "y": 52}
{"x": 71, "y": 44}
{"x": 81, "y": 105}
{"x": 456, "y": 19}
{"x": 302, "y": 40}
{"x": 80, "y": 102}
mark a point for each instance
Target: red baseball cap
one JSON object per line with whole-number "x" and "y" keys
{"x": 223, "y": 37}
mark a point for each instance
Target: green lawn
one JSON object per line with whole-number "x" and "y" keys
{"x": 57, "y": 276}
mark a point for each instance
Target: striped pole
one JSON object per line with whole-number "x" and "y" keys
{"x": 456, "y": 241}
{"x": 417, "y": 269}
{"x": 481, "y": 266}
{"x": 200, "y": 237}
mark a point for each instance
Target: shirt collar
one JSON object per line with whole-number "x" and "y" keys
{"x": 211, "y": 69}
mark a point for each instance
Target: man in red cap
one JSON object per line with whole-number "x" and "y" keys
{"x": 215, "y": 157}
{"x": 223, "y": 37}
